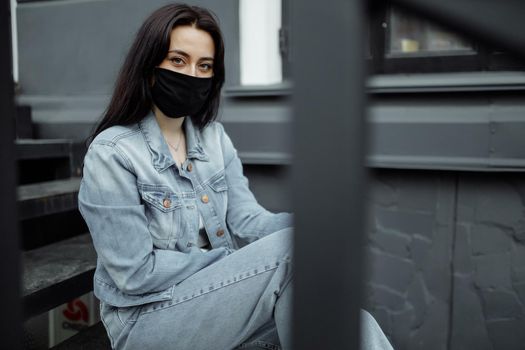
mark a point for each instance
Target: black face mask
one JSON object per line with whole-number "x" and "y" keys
{"x": 178, "y": 95}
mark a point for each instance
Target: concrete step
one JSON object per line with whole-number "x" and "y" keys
{"x": 48, "y": 197}
{"x": 43, "y": 148}
{"x": 57, "y": 273}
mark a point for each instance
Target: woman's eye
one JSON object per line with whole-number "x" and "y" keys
{"x": 176, "y": 60}
{"x": 206, "y": 67}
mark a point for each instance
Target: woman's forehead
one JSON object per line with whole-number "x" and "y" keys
{"x": 193, "y": 41}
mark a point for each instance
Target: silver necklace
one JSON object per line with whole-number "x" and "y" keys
{"x": 178, "y": 144}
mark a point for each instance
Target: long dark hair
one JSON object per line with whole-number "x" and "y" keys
{"x": 131, "y": 100}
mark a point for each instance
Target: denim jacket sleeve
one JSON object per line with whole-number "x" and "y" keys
{"x": 110, "y": 204}
{"x": 246, "y": 218}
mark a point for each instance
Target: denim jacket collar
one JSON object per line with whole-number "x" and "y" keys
{"x": 160, "y": 153}
{"x": 194, "y": 148}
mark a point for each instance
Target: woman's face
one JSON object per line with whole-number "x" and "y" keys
{"x": 191, "y": 52}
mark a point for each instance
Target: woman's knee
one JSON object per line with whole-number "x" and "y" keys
{"x": 279, "y": 242}
{"x": 372, "y": 337}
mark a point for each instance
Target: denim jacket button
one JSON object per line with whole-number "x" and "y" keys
{"x": 189, "y": 167}
{"x": 205, "y": 198}
{"x": 220, "y": 233}
{"x": 166, "y": 203}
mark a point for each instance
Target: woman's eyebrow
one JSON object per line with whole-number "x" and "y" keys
{"x": 182, "y": 53}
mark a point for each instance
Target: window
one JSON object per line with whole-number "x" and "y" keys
{"x": 260, "y": 24}
{"x": 401, "y": 43}
{"x": 264, "y": 49}
{"x": 410, "y": 36}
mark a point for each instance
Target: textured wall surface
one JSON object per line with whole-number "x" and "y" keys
{"x": 489, "y": 263}
{"x": 447, "y": 259}
{"x": 410, "y": 240}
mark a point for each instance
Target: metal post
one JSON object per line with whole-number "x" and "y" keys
{"x": 328, "y": 171}
{"x": 10, "y": 317}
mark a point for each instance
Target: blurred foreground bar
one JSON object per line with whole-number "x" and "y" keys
{"x": 328, "y": 171}
{"x": 10, "y": 317}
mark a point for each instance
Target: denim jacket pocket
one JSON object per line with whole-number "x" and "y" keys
{"x": 218, "y": 182}
{"x": 219, "y": 187}
{"x": 163, "y": 211}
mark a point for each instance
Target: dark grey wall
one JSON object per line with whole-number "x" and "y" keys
{"x": 489, "y": 262}
{"x": 447, "y": 259}
{"x": 410, "y": 251}
{"x": 446, "y": 255}
{"x": 76, "y": 47}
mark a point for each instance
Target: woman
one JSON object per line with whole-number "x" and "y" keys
{"x": 168, "y": 207}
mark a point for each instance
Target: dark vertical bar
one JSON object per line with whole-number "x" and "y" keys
{"x": 328, "y": 171}
{"x": 377, "y": 12}
{"x": 10, "y": 317}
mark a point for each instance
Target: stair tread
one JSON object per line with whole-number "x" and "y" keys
{"x": 46, "y": 198}
{"x": 57, "y": 262}
{"x": 42, "y": 141}
{"x": 43, "y": 148}
{"x": 48, "y": 189}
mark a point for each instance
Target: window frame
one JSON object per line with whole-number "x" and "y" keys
{"x": 478, "y": 60}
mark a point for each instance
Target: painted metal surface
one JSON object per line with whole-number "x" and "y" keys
{"x": 9, "y": 257}
{"x": 328, "y": 171}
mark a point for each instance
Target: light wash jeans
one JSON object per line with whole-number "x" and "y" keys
{"x": 243, "y": 301}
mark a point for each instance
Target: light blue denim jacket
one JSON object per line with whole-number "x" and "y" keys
{"x": 143, "y": 211}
